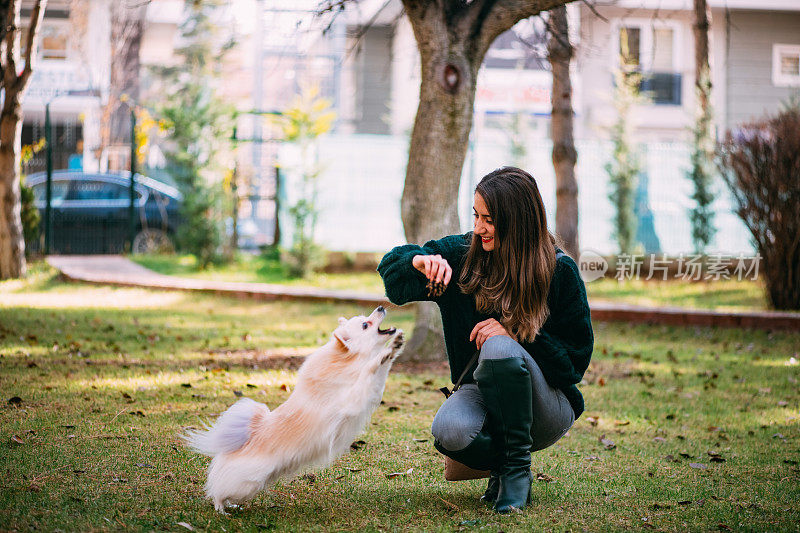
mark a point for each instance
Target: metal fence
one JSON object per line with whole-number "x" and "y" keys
{"x": 362, "y": 178}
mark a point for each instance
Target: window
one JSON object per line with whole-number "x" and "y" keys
{"x": 53, "y": 38}
{"x": 786, "y": 65}
{"x": 58, "y": 192}
{"x": 651, "y": 48}
{"x": 98, "y": 190}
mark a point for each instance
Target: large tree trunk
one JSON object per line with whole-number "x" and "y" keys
{"x": 452, "y": 38}
{"x": 560, "y": 52}
{"x": 438, "y": 148}
{"x": 12, "y": 241}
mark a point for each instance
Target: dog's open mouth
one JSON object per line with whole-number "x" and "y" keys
{"x": 386, "y": 331}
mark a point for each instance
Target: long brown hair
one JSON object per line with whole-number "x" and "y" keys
{"x": 514, "y": 278}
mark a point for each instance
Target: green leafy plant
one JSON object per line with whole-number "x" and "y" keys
{"x": 29, "y": 212}
{"x": 198, "y": 126}
{"x": 624, "y": 168}
{"x": 702, "y": 174}
{"x": 307, "y": 118}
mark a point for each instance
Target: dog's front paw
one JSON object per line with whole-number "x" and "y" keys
{"x": 398, "y": 341}
{"x": 395, "y": 347}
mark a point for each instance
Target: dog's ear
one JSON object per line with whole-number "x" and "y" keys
{"x": 342, "y": 337}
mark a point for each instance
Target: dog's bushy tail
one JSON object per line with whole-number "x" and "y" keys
{"x": 229, "y": 432}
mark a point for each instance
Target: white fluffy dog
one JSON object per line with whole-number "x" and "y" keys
{"x": 338, "y": 388}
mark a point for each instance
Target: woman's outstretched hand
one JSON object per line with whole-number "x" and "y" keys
{"x": 435, "y": 267}
{"x": 487, "y": 329}
{"x": 437, "y": 270}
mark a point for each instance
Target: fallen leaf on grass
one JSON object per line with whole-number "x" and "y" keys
{"x": 621, "y": 422}
{"x": 283, "y": 387}
{"x": 186, "y": 385}
{"x": 17, "y": 440}
{"x": 137, "y": 413}
{"x": 659, "y": 439}
{"x": 778, "y": 436}
{"x": 357, "y": 444}
{"x": 607, "y": 443}
{"x": 545, "y": 478}
{"x": 396, "y": 474}
{"x": 592, "y": 420}
{"x": 684, "y": 502}
{"x": 187, "y": 526}
{"x": 699, "y": 466}
{"x": 15, "y": 400}
{"x": 420, "y": 440}
{"x": 715, "y": 457}
{"x": 238, "y": 393}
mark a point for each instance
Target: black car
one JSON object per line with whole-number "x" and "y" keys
{"x": 89, "y": 212}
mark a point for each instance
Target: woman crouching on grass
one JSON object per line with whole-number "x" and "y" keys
{"x": 521, "y": 302}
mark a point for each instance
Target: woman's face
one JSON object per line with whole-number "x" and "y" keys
{"x": 484, "y": 224}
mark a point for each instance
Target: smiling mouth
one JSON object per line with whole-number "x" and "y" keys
{"x": 386, "y": 331}
{"x": 487, "y": 239}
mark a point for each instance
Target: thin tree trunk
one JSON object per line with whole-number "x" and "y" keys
{"x": 127, "y": 29}
{"x": 12, "y": 241}
{"x": 702, "y": 79}
{"x": 560, "y": 52}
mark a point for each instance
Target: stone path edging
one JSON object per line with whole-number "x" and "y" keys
{"x": 118, "y": 270}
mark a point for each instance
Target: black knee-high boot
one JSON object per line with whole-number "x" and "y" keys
{"x": 506, "y": 388}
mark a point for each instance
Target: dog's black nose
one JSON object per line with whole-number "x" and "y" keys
{"x": 381, "y": 309}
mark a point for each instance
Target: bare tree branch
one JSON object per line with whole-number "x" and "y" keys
{"x": 505, "y": 13}
{"x": 10, "y": 63}
{"x": 594, "y": 10}
{"x": 36, "y": 19}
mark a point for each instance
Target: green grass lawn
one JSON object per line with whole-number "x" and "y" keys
{"x": 685, "y": 429}
{"x": 722, "y": 295}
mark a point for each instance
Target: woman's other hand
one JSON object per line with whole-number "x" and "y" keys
{"x": 435, "y": 267}
{"x": 487, "y": 329}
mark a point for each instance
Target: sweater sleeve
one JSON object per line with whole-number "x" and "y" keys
{"x": 564, "y": 345}
{"x": 403, "y": 282}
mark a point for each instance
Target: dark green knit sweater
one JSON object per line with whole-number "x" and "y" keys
{"x": 563, "y": 346}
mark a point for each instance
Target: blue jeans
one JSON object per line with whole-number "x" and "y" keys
{"x": 461, "y": 417}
